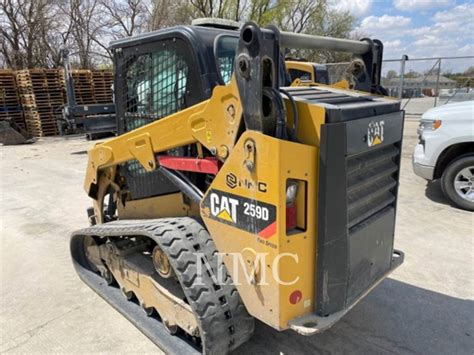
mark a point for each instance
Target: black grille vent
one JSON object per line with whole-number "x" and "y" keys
{"x": 371, "y": 182}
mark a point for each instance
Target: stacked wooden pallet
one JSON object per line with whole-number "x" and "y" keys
{"x": 92, "y": 86}
{"x": 10, "y": 105}
{"x": 83, "y": 87}
{"x": 102, "y": 81}
{"x": 34, "y": 98}
{"x": 42, "y": 97}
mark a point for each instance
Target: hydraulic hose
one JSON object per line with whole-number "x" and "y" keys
{"x": 295, "y": 113}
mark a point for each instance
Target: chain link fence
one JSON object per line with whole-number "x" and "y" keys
{"x": 423, "y": 83}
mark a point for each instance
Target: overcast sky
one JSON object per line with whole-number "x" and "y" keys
{"x": 418, "y": 28}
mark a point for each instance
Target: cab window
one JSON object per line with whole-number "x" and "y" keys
{"x": 225, "y": 50}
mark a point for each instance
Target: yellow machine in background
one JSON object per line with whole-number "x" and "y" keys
{"x": 231, "y": 195}
{"x": 307, "y": 71}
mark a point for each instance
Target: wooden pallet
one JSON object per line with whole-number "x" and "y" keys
{"x": 83, "y": 87}
{"x": 103, "y": 81}
{"x": 34, "y": 98}
{"x": 93, "y": 86}
{"x": 42, "y": 97}
{"x": 10, "y": 104}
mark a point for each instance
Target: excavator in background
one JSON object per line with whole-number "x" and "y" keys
{"x": 233, "y": 194}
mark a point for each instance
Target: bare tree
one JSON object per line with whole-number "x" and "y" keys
{"x": 87, "y": 30}
{"x": 21, "y": 23}
{"x": 229, "y": 9}
{"x": 299, "y": 17}
{"x": 58, "y": 38}
{"x": 319, "y": 18}
{"x": 10, "y": 29}
{"x": 126, "y": 18}
{"x": 260, "y": 11}
{"x": 33, "y": 31}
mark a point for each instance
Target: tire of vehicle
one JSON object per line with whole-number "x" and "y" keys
{"x": 449, "y": 178}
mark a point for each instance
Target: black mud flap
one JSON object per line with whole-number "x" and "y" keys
{"x": 151, "y": 327}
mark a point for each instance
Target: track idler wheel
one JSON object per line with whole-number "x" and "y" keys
{"x": 162, "y": 263}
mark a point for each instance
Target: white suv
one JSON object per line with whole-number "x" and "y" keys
{"x": 446, "y": 151}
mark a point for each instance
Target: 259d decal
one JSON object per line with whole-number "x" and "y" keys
{"x": 250, "y": 215}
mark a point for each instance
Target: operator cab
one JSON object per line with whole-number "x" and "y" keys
{"x": 161, "y": 73}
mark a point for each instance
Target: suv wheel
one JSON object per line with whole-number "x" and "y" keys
{"x": 458, "y": 182}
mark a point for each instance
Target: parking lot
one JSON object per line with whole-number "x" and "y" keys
{"x": 426, "y": 306}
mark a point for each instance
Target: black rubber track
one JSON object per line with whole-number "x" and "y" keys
{"x": 223, "y": 320}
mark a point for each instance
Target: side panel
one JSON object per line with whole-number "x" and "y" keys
{"x": 332, "y": 278}
{"x": 245, "y": 213}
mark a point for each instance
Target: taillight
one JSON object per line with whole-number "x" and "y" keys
{"x": 291, "y": 191}
{"x": 291, "y": 212}
{"x": 290, "y": 217}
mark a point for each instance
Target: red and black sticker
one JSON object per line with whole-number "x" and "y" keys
{"x": 250, "y": 215}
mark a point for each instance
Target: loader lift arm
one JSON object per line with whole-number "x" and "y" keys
{"x": 192, "y": 125}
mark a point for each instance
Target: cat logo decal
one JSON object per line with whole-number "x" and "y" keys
{"x": 375, "y": 133}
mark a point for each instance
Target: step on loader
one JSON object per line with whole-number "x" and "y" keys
{"x": 232, "y": 194}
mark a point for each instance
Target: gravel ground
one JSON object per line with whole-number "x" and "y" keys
{"x": 426, "y": 306}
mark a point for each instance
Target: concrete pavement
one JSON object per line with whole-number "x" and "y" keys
{"x": 426, "y": 306}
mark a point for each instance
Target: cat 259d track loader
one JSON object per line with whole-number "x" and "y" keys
{"x": 232, "y": 194}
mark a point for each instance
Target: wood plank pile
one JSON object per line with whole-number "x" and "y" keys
{"x": 83, "y": 86}
{"x": 10, "y": 105}
{"x": 93, "y": 86}
{"x": 34, "y": 98}
{"x": 42, "y": 98}
{"x": 103, "y": 80}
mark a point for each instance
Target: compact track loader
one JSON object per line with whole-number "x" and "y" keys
{"x": 232, "y": 194}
